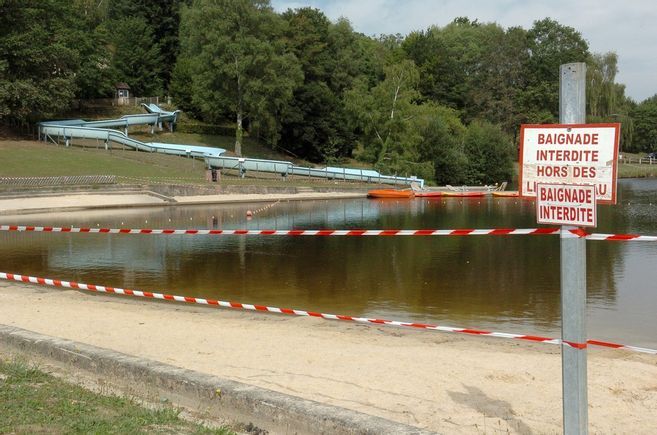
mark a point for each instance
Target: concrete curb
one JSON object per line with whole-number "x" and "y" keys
{"x": 220, "y": 398}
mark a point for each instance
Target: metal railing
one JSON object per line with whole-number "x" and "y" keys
{"x": 638, "y": 160}
{"x": 284, "y": 168}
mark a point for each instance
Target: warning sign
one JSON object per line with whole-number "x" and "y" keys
{"x": 585, "y": 154}
{"x": 566, "y": 204}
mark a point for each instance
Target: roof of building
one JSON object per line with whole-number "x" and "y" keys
{"x": 122, "y": 86}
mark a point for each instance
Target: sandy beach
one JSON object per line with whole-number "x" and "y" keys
{"x": 443, "y": 382}
{"x": 86, "y": 201}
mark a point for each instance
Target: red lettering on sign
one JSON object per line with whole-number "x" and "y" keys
{"x": 568, "y": 139}
{"x": 551, "y": 171}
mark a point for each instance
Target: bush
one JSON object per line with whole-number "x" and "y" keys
{"x": 645, "y": 126}
{"x": 489, "y": 152}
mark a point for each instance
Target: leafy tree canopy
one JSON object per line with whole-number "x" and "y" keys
{"x": 239, "y": 63}
{"x": 645, "y": 125}
{"x": 37, "y": 61}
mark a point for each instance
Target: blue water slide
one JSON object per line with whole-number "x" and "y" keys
{"x": 245, "y": 164}
{"x": 284, "y": 168}
{"x": 105, "y": 130}
{"x": 165, "y": 116}
{"x": 102, "y": 130}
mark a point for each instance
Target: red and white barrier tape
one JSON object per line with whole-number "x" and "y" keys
{"x": 621, "y": 237}
{"x": 294, "y": 312}
{"x": 426, "y": 232}
{"x": 459, "y": 232}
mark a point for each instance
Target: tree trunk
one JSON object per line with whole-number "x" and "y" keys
{"x": 239, "y": 132}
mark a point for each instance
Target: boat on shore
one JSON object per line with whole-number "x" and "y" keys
{"x": 507, "y": 194}
{"x": 390, "y": 193}
{"x": 466, "y": 194}
{"x": 428, "y": 193}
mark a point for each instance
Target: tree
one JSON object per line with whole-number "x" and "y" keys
{"x": 605, "y": 99}
{"x": 137, "y": 56}
{"x": 400, "y": 136}
{"x": 163, "y": 20}
{"x": 314, "y": 123}
{"x": 477, "y": 68}
{"x": 441, "y": 77}
{"x": 181, "y": 87}
{"x": 382, "y": 114}
{"x": 37, "y": 64}
{"x": 602, "y": 93}
{"x": 89, "y": 35}
{"x": 550, "y": 45}
{"x": 239, "y": 63}
{"x": 442, "y": 143}
{"x": 490, "y": 154}
{"x": 495, "y": 85}
{"x": 645, "y": 125}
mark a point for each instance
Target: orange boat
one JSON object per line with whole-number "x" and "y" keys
{"x": 428, "y": 194}
{"x": 507, "y": 194}
{"x": 390, "y": 193}
{"x": 467, "y": 194}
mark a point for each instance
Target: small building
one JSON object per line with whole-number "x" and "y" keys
{"x": 122, "y": 93}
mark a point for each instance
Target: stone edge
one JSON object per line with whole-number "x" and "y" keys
{"x": 220, "y": 398}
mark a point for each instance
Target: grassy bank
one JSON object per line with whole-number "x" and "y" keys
{"x": 631, "y": 170}
{"x": 32, "y": 401}
{"x": 38, "y": 159}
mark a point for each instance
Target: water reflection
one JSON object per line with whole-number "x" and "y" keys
{"x": 503, "y": 283}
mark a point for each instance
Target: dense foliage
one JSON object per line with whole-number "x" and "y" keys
{"x": 644, "y": 116}
{"x": 237, "y": 63}
{"x": 443, "y": 103}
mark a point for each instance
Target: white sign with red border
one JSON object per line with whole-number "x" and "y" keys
{"x": 566, "y": 204}
{"x": 570, "y": 154}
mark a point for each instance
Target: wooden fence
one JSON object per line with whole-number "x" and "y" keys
{"x": 638, "y": 160}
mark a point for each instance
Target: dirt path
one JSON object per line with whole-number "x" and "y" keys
{"x": 448, "y": 383}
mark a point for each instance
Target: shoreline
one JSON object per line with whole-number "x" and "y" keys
{"x": 95, "y": 200}
{"x": 441, "y": 382}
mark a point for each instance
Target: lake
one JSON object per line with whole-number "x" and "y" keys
{"x": 502, "y": 283}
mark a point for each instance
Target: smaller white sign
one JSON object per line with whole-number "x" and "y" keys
{"x": 566, "y": 204}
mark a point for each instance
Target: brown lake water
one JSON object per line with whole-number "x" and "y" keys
{"x": 508, "y": 283}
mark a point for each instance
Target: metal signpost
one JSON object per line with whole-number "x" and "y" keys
{"x": 568, "y": 167}
{"x": 572, "y": 110}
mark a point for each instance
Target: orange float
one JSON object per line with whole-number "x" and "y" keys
{"x": 390, "y": 193}
{"x": 428, "y": 194}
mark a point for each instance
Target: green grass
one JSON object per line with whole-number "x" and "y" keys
{"x": 631, "y": 170}
{"x": 32, "y": 401}
{"x": 38, "y": 159}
